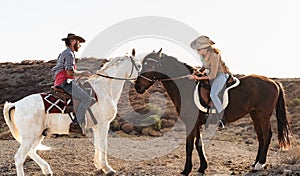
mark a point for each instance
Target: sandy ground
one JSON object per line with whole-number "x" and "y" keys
{"x": 227, "y": 153}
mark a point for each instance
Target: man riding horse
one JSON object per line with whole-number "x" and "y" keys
{"x": 64, "y": 73}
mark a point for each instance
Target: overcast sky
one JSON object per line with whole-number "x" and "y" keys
{"x": 255, "y": 36}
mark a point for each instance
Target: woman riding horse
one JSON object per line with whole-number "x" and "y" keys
{"x": 218, "y": 71}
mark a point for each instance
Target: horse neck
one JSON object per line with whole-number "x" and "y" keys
{"x": 181, "y": 88}
{"x": 114, "y": 87}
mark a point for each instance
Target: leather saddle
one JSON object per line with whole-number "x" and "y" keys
{"x": 59, "y": 93}
{"x": 204, "y": 91}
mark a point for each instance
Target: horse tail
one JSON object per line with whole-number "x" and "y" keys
{"x": 282, "y": 122}
{"x": 8, "y": 112}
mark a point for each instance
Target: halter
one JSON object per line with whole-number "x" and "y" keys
{"x": 154, "y": 77}
{"x": 134, "y": 66}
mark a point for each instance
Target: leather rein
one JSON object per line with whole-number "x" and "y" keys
{"x": 134, "y": 66}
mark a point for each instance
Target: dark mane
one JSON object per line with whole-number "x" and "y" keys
{"x": 176, "y": 63}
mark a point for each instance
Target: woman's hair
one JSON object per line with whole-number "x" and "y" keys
{"x": 213, "y": 49}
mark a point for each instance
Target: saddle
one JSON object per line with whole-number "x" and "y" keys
{"x": 204, "y": 91}
{"x": 62, "y": 95}
{"x": 58, "y": 101}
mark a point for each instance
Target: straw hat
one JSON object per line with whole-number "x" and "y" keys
{"x": 73, "y": 36}
{"x": 201, "y": 42}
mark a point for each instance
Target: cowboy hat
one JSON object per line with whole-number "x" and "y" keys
{"x": 201, "y": 42}
{"x": 73, "y": 36}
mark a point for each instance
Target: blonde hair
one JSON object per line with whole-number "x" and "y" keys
{"x": 213, "y": 49}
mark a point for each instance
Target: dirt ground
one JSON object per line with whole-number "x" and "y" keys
{"x": 231, "y": 151}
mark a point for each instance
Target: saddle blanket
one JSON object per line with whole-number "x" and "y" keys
{"x": 53, "y": 104}
{"x": 225, "y": 97}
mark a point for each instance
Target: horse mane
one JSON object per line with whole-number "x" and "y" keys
{"x": 176, "y": 61}
{"x": 111, "y": 62}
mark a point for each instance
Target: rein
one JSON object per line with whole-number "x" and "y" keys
{"x": 134, "y": 66}
{"x": 166, "y": 79}
{"x": 111, "y": 77}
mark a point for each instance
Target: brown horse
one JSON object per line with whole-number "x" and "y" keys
{"x": 256, "y": 95}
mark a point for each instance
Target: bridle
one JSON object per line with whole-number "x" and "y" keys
{"x": 133, "y": 66}
{"x": 159, "y": 64}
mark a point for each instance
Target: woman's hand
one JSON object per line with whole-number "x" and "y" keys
{"x": 193, "y": 77}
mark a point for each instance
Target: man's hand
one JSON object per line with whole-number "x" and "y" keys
{"x": 83, "y": 73}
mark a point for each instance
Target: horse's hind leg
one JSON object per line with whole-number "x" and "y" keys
{"x": 267, "y": 135}
{"x": 199, "y": 147}
{"x": 21, "y": 154}
{"x": 46, "y": 169}
{"x": 263, "y": 129}
{"x": 258, "y": 131}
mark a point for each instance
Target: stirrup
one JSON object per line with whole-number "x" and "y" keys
{"x": 221, "y": 124}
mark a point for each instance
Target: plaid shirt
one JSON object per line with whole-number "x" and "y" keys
{"x": 65, "y": 61}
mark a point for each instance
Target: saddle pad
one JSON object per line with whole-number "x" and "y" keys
{"x": 53, "y": 104}
{"x": 225, "y": 97}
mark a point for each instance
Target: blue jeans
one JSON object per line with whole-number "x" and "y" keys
{"x": 216, "y": 87}
{"x": 79, "y": 94}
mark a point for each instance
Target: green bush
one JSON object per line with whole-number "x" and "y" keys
{"x": 294, "y": 102}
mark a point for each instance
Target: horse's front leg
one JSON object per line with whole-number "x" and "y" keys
{"x": 189, "y": 150}
{"x": 100, "y": 143}
{"x": 200, "y": 150}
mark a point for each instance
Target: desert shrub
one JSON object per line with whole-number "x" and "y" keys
{"x": 297, "y": 109}
{"x": 294, "y": 102}
{"x": 154, "y": 121}
{"x": 153, "y": 109}
{"x": 114, "y": 125}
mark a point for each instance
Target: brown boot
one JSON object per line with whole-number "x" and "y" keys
{"x": 75, "y": 129}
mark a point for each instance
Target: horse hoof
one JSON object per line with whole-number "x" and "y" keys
{"x": 184, "y": 173}
{"x": 259, "y": 166}
{"x": 101, "y": 172}
{"x": 110, "y": 173}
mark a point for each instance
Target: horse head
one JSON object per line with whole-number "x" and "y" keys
{"x": 158, "y": 66}
{"x": 152, "y": 66}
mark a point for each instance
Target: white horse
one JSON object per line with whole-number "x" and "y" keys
{"x": 27, "y": 120}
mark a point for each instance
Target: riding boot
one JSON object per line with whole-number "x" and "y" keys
{"x": 75, "y": 128}
{"x": 220, "y": 117}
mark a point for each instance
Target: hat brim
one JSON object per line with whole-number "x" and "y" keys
{"x": 80, "y": 39}
{"x": 195, "y": 45}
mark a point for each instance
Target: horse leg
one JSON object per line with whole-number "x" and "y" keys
{"x": 267, "y": 135}
{"x": 100, "y": 142}
{"x": 200, "y": 150}
{"x": 21, "y": 154}
{"x": 258, "y": 131}
{"x": 46, "y": 169}
{"x": 189, "y": 150}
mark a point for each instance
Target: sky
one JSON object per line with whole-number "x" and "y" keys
{"x": 254, "y": 36}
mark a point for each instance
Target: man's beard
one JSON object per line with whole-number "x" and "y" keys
{"x": 76, "y": 47}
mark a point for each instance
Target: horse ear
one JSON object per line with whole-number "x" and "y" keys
{"x": 133, "y": 52}
{"x": 159, "y": 53}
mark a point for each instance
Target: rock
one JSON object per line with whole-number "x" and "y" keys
{"x": 167, "y": 123}
{"x": 150, "y": 132}
{"x": 127, "y": 127}
{"x": 287, "y": 172}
